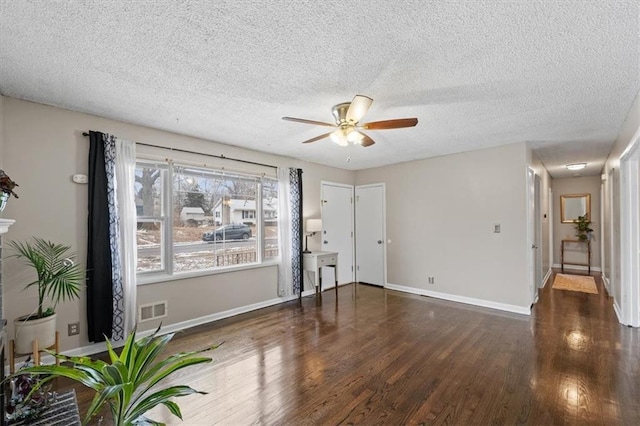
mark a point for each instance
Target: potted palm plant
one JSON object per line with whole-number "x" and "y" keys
{"x": 130, "y": 383}
{"x": 59, "y": 279}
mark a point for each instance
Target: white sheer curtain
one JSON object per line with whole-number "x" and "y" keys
{"x": 125, "y": 169}
{"x": 285, "y": 274}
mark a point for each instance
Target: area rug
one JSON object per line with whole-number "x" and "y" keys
{"x": 585, "y": 284}
{"x": 62, "y": 412}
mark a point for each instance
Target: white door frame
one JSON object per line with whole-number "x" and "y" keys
{"x": 630, "y": 233}
{"x": 384, "y": 229}
{"x": 612, "y": 279}
{"x": 537, "y": 220}
{"x": 533, "y": 287}
{"x": 603, "y": 261}
{"x": 353, "y": 251}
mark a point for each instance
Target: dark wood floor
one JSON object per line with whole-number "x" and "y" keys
{"x": 383, "y": 357}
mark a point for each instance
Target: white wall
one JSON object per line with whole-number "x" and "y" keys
{"x": 1, "y": 168}
{"x": 1, "y": 131}
{"x": 440, "y": 219}
{"x": 45, "y": 147}
{"x": 563, "y": 231}
{"x": 612, "y": 200}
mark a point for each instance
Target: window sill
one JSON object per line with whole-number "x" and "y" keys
{"x": 159, "y": 278}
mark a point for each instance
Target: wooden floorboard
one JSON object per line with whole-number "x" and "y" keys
{"x": 379, "y": 356}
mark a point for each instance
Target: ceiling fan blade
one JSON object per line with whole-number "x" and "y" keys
{"x": 302, "y": 120}
{"x": 358, "y": 108}
{"x": 317, "y": 138}
{"x": 390, "y": 124}
{"x": 366, "y": 140}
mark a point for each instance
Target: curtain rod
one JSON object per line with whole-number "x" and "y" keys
{"x": 222, "y": 157}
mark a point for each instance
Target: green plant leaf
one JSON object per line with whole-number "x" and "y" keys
{"x": 99, "y": 400}
{"x": 173, "y": 408}
{"x": 157, "y": 398}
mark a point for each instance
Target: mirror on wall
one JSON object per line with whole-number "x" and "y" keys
{"x": 574, "y": 205}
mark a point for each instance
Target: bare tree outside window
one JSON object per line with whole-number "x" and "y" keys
{"x": 149, "y": 196}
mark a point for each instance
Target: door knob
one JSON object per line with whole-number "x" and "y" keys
{"x": 379, "y": 241}
{"x": 533, "y": 246}
{"x": 326, "y": 242}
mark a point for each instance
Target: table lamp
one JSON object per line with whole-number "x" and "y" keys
{"x": 313, "y": 226}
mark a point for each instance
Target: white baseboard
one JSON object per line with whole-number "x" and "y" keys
{"x": 546, "y": 278}
{"x": 577, "y": 267}
{"x": 95, "y": 348}
{"x": 462, "y": 299}
{"x": 616, "y": 309}
{"x": 607, "y": 284}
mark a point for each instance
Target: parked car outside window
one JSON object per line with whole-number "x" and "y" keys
{"x": 228, "y": 232}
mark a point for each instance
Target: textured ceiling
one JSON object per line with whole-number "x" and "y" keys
{"x": 559, "y": 74}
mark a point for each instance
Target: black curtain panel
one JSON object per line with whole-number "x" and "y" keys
{"x": 99, "y": 268}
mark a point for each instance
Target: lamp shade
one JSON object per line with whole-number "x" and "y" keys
{"x": 314, "y": 225}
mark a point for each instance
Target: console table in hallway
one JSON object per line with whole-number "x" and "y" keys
{"x": 563, "y": 245}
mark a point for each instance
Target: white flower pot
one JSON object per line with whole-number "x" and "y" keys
{"x": 43, "y": 330}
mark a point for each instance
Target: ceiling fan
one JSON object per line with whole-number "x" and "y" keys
{"x": 348, "y": 127}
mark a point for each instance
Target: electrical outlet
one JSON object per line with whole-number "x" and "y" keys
{"x": 73, "y": 329}
{"x": 432, "y": 280}
{"x": 496, "y": 228}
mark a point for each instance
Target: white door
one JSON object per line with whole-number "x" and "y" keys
{"x": 337, "y": 231}
{"x": 370, "y": 235}
{"x": 538, "y": 232}
{"x": 531, "y": 233}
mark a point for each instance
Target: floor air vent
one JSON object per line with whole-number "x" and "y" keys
{"x": 152, "y": 311}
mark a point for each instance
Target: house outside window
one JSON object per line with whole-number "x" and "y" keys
{"x": 193, "y": 219}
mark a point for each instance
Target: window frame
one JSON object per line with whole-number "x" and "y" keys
{"x": 162, "y": 218}
{"x": 168, "y": 216}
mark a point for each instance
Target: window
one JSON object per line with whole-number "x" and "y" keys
{"x": 149, "y": 188}
{"x": 270, "y": 217}
{"x": 194, "y": 219}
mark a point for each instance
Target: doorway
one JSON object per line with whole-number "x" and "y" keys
{"x": 534, "y": 233}
{"x": 337, "y": 230}
{"x": 370, "y": 234}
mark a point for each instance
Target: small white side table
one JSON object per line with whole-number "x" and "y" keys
{"x": 315, "y": 261}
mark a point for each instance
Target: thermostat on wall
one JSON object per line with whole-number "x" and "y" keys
{"x": 79, "y": 178}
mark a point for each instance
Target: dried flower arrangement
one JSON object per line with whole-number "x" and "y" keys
{"x": 6, "y": 184}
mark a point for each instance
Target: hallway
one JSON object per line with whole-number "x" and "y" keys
{"x": 588, "y": 364}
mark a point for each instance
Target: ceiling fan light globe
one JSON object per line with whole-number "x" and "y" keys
{"x": 355, "y": 137}
{"x": 339, "y": 138}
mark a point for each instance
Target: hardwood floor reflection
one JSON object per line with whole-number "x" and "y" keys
{"x": 384, "y": 357}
